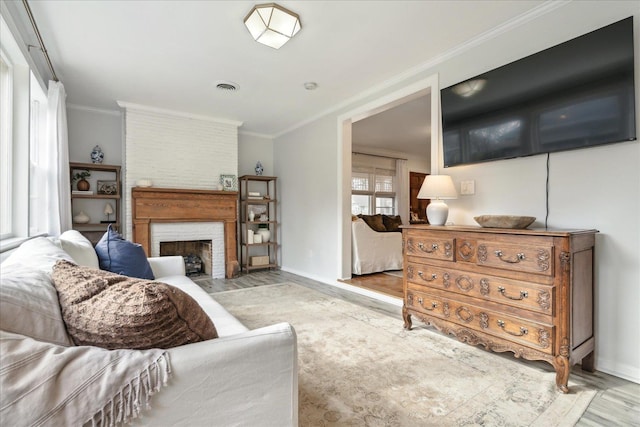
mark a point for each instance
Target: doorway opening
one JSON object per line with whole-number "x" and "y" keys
{"x": 428, "y": 86}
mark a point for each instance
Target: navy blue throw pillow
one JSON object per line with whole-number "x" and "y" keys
{"x": 121, "y": 256}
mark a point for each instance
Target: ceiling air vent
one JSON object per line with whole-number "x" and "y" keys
{"x": 227, "y": 86}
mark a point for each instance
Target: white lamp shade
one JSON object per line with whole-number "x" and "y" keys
{"x": 437, "y": 187}
{"x": 272, "y": 25}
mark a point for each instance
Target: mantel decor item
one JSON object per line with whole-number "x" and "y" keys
{"x": 504, "y": 221}
{"x": 109, "y": 188}
{"x": 97, "y": 156}
{"x": 437, "y": 188}
{"x": 259, "y": 168}
{"x": 229, "y": 182}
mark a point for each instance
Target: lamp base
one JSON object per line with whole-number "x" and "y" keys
{"x": 437, "y": 212}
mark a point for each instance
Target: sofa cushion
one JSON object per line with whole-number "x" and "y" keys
{"x": 29, "y": 305}
{"x": 112, "y": 311}
{"x": 392, "y": 222}
{"x": 374, "y": 221}
{"x": 80, "y": 248}
{"x": 121, "y": 256}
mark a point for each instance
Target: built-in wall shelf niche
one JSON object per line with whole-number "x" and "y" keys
{"x": 93, "y": 209}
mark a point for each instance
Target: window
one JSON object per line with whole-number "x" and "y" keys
{"x": 6, "y": 145}
{"x": 18, "y": 87}
{"x": 373, "y": 191}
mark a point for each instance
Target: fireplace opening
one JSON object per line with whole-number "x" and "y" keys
{"x": 197, "y": 255}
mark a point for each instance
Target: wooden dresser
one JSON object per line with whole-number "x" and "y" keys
{"x": 525, "y": 291}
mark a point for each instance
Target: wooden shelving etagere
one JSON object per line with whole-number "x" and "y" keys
{"x": 264, "y": 204}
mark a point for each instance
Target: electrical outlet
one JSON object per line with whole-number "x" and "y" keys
{"x": 467, "y": 188}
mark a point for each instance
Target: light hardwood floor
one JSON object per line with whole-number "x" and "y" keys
{"x": 617, "y": 402}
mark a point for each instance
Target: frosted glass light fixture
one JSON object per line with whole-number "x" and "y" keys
{"x": 437, "y": 188}
{"x": 272, "y": 24}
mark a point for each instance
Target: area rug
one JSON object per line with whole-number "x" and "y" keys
{"x": 358, "y": 367}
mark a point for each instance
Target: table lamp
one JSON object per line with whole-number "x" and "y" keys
{"x": 437, "y": 188}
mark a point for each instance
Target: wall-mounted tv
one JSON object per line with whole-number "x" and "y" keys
{"x": 574, "y": 95}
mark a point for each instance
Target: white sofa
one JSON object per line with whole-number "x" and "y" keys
{"x": 374, "y": 251}
{"x": 243, "y": 378}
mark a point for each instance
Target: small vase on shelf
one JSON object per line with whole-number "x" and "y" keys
{"x": 266, "y": 234}
{"x": 97, "y": 156}
{"x": 81, "y": 218}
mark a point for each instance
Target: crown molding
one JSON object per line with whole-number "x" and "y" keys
{"x": 536, "y": 12}
{"x": 132, "y": 106}
{"x": 256, "y": 134}
{"x": 94, "y": 109}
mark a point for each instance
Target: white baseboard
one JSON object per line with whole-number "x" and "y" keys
{"x": 333, "y": 282}
{"x": 611, "y": 367}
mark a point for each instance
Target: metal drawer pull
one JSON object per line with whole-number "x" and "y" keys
{"x": 434, "y": 247}
{"x": 523, "y": 330}
{"x": 433, "y": 304}
{"x": 519, "y": 257}
{"x": 434, "y": 276}
{"x": 523, "y": 294}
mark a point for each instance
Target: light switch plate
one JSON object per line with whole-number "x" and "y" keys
{"x": 467, "y": 188}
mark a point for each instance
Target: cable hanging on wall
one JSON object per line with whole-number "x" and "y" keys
{"x": 40, "y": 41}
{"x": 546, "y": 217}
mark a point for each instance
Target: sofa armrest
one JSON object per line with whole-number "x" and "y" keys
{"x": 167, "y": 266}
{"x": 248, "y": 379}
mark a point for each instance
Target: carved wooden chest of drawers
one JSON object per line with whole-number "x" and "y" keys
{"x": 525, "y": 291}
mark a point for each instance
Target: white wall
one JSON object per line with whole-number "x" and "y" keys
{"x": 306, "y": 164}
{"x": 91, "y": 127}
{"x": 591, "y": 188}
{"x": 251, "y": 149}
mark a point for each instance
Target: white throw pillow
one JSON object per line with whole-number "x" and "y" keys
{"x": 80, "y": 248}
{"x": 39, "y": 254}
{"x": 29, "y": 305}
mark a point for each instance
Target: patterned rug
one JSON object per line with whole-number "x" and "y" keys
{"x": 358, "y": 367}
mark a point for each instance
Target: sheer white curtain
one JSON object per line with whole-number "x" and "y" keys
{"x": 402, "y": 192}
{"x": 52, "y": 204}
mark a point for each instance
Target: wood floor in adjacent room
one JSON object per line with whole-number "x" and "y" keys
{"x": 617, "y": 402}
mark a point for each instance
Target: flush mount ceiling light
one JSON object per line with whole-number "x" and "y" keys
{"x": 272, "y": 24}
{"x": 469, "y": 88}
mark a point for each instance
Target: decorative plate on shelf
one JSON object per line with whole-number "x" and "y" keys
{"x": 504, "y": 221}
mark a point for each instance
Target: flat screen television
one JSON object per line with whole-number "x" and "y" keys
{"x": 574, "y": 95}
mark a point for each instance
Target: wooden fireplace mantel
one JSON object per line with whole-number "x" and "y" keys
{"x": 154, "y": 205}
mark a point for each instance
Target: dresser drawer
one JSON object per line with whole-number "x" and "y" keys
{"x": 516, "y": 293}
{"x": 525, "y": 332}
{"x": 521, "y": 257}
{"x": 427, "y": 245}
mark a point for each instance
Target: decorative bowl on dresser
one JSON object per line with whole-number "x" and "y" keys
{"x": 525, "y": 291}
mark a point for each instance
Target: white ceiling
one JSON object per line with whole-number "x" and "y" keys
{"x": 170, "y": 54}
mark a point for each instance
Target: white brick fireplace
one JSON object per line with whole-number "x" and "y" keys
{"x": 187, "y": 231}
{"x": 176, "y": 150}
